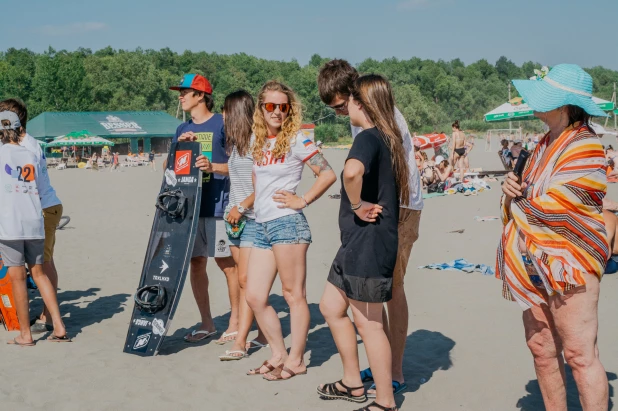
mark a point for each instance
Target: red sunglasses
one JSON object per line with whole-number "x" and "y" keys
{"x": 283, "y": 107}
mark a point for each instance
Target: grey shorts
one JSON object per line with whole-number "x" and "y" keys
{"x": 211, "y": 239}
{"x": 16, "y": 253}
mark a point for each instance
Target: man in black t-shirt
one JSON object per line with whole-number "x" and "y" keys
{"x": 335, "y": 84}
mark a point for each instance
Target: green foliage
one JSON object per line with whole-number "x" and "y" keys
{"x": 430, "y": 94}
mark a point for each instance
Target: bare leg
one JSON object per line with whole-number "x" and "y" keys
{"x": 575, "y": 316}
{"x": 228, "y": 266}
{"x": 20, "y": 294}
{"x": 48, "y": 293}
{"x": 49, "y": 268}
{"x": 199, "y": 285}
{"x": 245, "y": 314}
{"x": 334, "y": 307}
{"x": 546, "y": 349}
{"x": 368, "y": 320}
{"x": 292, "y": 265}
{"x": 260, "y": 277}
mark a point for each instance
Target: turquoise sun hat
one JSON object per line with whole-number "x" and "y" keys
{"x": 564, "y": 84}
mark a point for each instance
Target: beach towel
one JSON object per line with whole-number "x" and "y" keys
{"x": 461, "y": 265}
{"x": 560, "y": 219}
{"x": 431, "y": 195}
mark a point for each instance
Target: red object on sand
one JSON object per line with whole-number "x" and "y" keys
{"x": 429, "y": 141}
{"x": 7, "y": 303}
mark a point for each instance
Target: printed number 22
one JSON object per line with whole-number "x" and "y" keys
{"x": 25, "y": 173}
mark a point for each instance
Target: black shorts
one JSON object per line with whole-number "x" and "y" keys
{"x": 460, "y": 151}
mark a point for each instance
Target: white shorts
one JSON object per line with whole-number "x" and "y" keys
{"x": 211, "y": 239}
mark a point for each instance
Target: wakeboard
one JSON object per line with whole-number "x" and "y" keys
{"x": 169, "y": 251}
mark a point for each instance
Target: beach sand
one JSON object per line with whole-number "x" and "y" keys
{"x": 465, "y": 350}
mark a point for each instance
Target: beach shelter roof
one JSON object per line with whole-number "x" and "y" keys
{"x": 106, "y": 124}
{"x": 517, "y": 110}
{"x": 79, "y": 138}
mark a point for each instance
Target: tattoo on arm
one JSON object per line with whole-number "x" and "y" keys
{"x": 319, "y": 161}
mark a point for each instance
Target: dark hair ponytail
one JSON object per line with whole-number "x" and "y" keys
{"x": 456, "y": 125}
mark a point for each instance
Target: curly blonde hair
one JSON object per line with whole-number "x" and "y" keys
{"x": 289, "y": 128}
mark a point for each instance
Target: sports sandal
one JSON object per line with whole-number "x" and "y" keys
{"x": 378, "y": 406}
{"x": 256, "y": 371}
{"x": 331, "y": 392}
{"x": 277, "y": 373}
{"x": 225, "y": 338}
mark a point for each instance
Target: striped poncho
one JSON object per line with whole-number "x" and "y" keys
{"x": 559, "y": 218}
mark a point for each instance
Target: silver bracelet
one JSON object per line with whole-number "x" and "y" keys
{"x": 303, "y": 198}
{"x": 355, "y": 207}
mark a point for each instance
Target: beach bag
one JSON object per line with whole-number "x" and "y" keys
{"x": 234, "y": 230}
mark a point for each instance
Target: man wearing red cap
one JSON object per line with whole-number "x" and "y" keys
{"x": 211, "y": 240}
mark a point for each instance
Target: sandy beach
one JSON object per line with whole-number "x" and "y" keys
{"x": 465, "y": 350}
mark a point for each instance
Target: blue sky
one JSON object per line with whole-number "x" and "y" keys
{"x": 544, "y": 31}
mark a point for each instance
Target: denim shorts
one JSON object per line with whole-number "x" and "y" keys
{"x": 247, "y": 237}
{"x": 289, "y": 229}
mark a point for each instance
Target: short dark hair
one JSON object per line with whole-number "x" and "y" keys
{"x": 336, "y": 77}
{"x": 18, "y": 107}
{"x": 208, "y": 100}
{"x": 577, "y": 114}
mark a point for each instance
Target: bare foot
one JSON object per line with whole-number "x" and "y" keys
{"x": 227, "y": 336}
{"x": 275, "y": 362}
{"x": 19, "y": 340}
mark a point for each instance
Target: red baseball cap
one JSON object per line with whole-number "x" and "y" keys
{"x": 194, "y": 81}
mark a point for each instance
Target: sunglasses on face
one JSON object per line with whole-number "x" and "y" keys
{"x": 340, "y": 107}
{"x": 271, "y": 107}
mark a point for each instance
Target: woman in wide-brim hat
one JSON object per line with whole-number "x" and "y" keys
{"x": 554, "y": 248}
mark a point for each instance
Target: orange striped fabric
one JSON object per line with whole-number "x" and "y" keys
{"x": 559, "y": 218}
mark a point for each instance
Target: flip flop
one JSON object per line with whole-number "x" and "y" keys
{"x": 255, "y": 344}
{"x": 277, "y": 374}
{"x": 53, "y": 338}
{"x": 222, "y": 340}
{"x": 397, "y": 388}
{"x": 15, "y": 342}
{"x": 200, "y": 334}
{"x": 230, "y": 357}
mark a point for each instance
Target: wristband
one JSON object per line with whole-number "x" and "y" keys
{"x": 306, "y": 203}
{"x": 355, "y": 207}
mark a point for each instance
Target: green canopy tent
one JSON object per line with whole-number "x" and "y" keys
{"x": 110, "y": 125}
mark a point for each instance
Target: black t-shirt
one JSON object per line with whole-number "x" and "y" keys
{"x": 374, "y": 245}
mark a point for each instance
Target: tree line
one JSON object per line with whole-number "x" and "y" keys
{"x": 430, "y": 94}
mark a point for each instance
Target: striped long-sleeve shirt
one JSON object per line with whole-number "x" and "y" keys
{"x": 559, "y": 218}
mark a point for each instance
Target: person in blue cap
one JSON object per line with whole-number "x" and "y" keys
{"x": 211, "y": 240}
{"x": 554, "y": 246}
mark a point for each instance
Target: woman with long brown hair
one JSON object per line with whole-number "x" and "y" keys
{"x": 280, "y": 152}
{"x": 375, "y": 177}
{"x": 238, "y": 111}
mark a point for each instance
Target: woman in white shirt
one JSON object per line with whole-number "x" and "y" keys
{"x": 22, "y": 233}
{"x": 280, "y": 152}
{"x": 238, "y": 110}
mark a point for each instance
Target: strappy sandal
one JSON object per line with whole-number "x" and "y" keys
{"x": 256, "y": 371}
{"x": 378, "y": 406}
{"x": 331, "y": 392}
